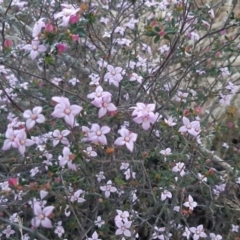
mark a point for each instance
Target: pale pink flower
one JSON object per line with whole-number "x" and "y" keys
{"x": 99, "y": 222}
{"x": 158, "y": 233}
{"x": 94, "y": 237}
{"x": 211, "y": 13}
{"x": 129, "y": 174}
{"x": 85, "y": 131}
{"x": 144, "y": 114}
{"x": 166, "y": 152}
{"x": 192, "y": 128}
{"x": 64, "y": 110}
{"x": 123, "y": 228}
{"x": 186, "y": 233}
{"x": 67, "y": 12}
{"x": 166, "y": 194}
{"x": 122, "y": 216}
{"x": 225, "y": 99}
{"x": 74, "y": 81}
{"x": 233, "y": 88}
{"x": 124, "y": 166}
{"x": 104, "y": 20}
{"x": 59, "y": 229}
{"x": 94, "y": 79}
{"x": 127, "y": 138}
{"x": 143, "y": 109}
{"x": 108, "y": 189}
{"x": 89, "y": 152}
{"x": 66, "y": 212}
{"x": 131, "y": 23}
{"x": 60, "y": 137}
{"x": 142, "y": 62}
{"x": 10, "y": 141}
{"x": 8, "y": 231}
{"x": 179, "y": 167}
{"x": 224, "y": 71}
{"x": 198, "y": 232}
{"x": 135, "y": 77}
{"x": 76, "y": 196}
{"x": 35, "y": 49}
{"x": 41, "y": 216}
{"x": 34, "y": 171}
{"x": 105, "y": 105}
{"x": 235, "y": 228}
{"x": 147, "y": 120}
{"x": 181, "y": 97}
{"x": 66, "y": 159}
{"x": 169, "y": 122}
{"x": 37, "y": 28}
{"x": 120, "y": 30}
{"x": 99, "y": 93}
{"x": 25, "y": 237}
{"x": 215, "y": 237}
{"x": 193, "y": 36}
{"x": 164, "y": 48}
{"x": 100, "y": 176}
{"x": 190, "y": 203}
{"x": 114, "y": 75}
{"x": 22, "y": 141}
{"x": 97, "y": 134}
{"x": 56, "y": 81}
{"x": 33, "y": 117}
{"x": 202, "y": 178}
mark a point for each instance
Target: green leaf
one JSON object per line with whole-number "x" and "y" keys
{"x": 48, "y": 60}
{"x": 119, "y": 181}
{"x": 150, "y": 34}
{"x": 156, "y": 39}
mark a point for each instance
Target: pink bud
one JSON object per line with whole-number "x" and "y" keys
{"x": 57, "y": 180}
{"x": 112, "y": 113}
{"x": 162, "y": 33}
{"x": 74, "y": 19}
{"x": 186, "y": 112}
{"x": 61, "y": 48}
{"x": 13, "y": 181}
{"x": 8, "y": 43}
{"x": 49, "y": 27}
{"x": 218, "y": 54}
{"x": 153, "y": 24}
{"x": 198, "y": 110}
{"x": 75, "y": 37}
{"x": 230, "y": 125}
